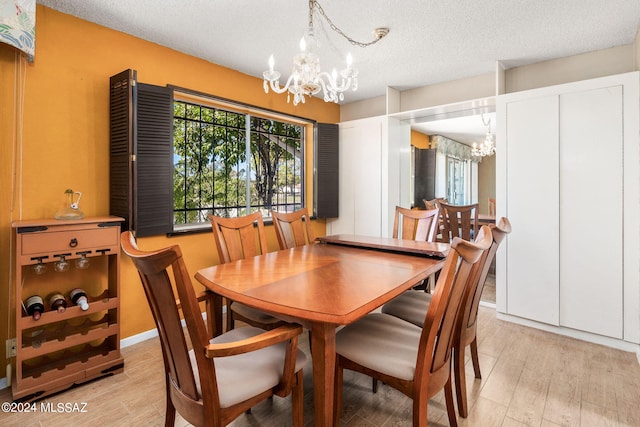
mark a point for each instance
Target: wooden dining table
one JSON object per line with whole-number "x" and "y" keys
{"x": 486, "y": 219}
{"x": 322, "y": 286}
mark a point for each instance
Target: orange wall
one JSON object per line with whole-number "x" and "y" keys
{"x": 419, "y": 140}
{"x": 65, "y": 134}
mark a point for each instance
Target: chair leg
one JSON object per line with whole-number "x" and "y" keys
{"x": 297, "y": 401}
{"x": 374, "y": 385}
{"x": 474, "y": 357}
{"x": 448, "y": 396}
{"x": 420, "y": 410}
{"x": 230, "y": 321}
{"x": 170, "y": 410}
{"x": 461, "y": 381}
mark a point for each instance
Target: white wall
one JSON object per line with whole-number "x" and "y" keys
{"x": 600, "y": 63}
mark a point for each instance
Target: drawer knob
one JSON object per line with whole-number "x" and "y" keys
{"x": 73, "y": 243}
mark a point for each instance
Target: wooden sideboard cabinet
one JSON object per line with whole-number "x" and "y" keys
{"x": 61, "y": 349}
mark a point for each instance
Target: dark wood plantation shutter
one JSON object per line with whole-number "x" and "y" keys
{"x": 153, "y": 162}
{"x": 121, "y": 146}
{"x": 141, "y": 155}
{"x": 326, "y": 171}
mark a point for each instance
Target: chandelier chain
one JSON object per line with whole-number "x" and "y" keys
{"x": 314, "y": 3}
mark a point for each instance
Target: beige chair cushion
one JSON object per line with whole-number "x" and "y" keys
{"x": 383, "y": 343}
{"x": 246, "y": 375}
{"x": 411, "y": 306}
{"x": 252, "y": 313}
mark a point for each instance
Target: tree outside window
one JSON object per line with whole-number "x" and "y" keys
{"x": 215, "y": 172}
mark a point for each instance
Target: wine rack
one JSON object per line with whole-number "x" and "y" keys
{"x": 60, "y": 350}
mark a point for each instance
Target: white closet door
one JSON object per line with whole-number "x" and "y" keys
{"x": 591, "y": 211}
{"x": 360, "y": 179}
{"x": 532, "y": 207}
{"x": 346, "y": 151}
{"x": 367, "y": 191}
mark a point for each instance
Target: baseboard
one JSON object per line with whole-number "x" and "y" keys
{"x": 488, "y": 304}
{"x": 129, "y": 341}
{"x": 573, "y": 333}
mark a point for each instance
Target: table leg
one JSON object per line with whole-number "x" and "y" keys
{"x": 215, "y": 311}
{"x": 323, "y": 353}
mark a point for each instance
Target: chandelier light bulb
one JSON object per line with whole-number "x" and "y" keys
{"x": 272, "y": 62}
{"x": 349, "y": 60}
{"x": 303, "y": 45}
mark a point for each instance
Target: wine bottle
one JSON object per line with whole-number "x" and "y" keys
{"x": 34, "y": 306}
{"x": 58, "y": 302}
{"x": 79, "y": 297}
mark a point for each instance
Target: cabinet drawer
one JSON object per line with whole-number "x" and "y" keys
{"x": 63, "y": 241}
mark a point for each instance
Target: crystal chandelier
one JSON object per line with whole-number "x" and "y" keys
{"x": 307, "y": 79}
{"x": 488, "y": 147}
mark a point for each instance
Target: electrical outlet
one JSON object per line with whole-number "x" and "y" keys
{"x": 11, "y": 347}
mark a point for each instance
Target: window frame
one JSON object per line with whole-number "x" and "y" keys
{"x": 205, "y": 100}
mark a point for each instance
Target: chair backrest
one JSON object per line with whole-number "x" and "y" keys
{"x": 459, "y": 221}
{"x": 469, "y": 312}
{"x": 236, "y": 238}
{"x": 154, "y": 271}
{"x": 492, "y": 206}
{"x": 433, "y": 203}
{"x": 438, "y": 329}
{"x": 414, "y": 224}
{"x": 292, "y": 228}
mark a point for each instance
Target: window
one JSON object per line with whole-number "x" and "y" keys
{"x": 177, "y": 155}
{"x": 218, "y": 170}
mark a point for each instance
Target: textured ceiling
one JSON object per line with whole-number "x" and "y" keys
{"x": 430, "y": 41}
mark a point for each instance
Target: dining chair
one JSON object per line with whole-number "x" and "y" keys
{"x": 292, "y": 228}
{"x": 459, "y": 221}
{"x": 413, "y": 224}
{"x": 433, "y": 203}
{"x": 218, "y": 379}
{"x": 492, "y": 206}
{"x": 412, "y": 359}
{"x": 412, "y": 307}
{"x": 236, "y": 239}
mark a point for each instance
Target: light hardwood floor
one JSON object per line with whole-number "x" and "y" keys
{"x": 529, "y": 377}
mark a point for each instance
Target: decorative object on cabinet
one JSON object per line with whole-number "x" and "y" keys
{"x": 71, "y": 209}
{"x": 67, "y": 345}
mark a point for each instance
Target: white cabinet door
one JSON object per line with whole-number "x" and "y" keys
{"x": 568, "y": 166}
{"x": 367, "y": 180}
{"x": 360, "y": 179}
{"x": 532, "y": 207}
{"x": 591, "y": 211}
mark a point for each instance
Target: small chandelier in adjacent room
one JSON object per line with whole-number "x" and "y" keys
{"x": 307, "y": 79}
{"x": 488, "y": 147}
